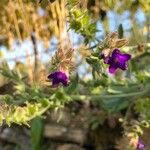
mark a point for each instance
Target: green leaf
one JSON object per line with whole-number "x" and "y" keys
{"x": 85, "y": 20}
{"x": 120, "y": 31}
{"x": 92, "y": 28}
{"x": 45, "y": 102}
{"x": 73, "y": 85}
{"x": 114, "y": 105}
{"x": 114, "y": 91}
{"x": 7, "y": 98}
{"x": 11, "y": 74}
{"x": 72, "y": 2}
{"x": 95, "y": 125}
{"x": 37, "y": 133}
{"x": 76, "y": 25}
{"x": 77, "y": 13}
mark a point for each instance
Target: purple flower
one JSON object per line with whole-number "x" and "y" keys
{"x": 140, "y": 145}
{"x": 117, "y": 60}
{"x": 58, "y": 77}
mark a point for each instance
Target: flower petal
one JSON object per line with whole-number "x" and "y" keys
{"x": 127, "y": 57}
{"x": 117, "y": 60}
{"x": 121, "y": 57}
{"x": 58, "y": 77}
{"x": 122, "y": 65}
{"x": 55, "y": 82}
{"x": 107, "y": 60}
{"x": 115, "y": 53}
{"x": 112, "y": 69}
{"x": 124, "y": 57}
{"x": 50, "y": 76}
{"x": 65, "y": 82}
{"x": 140, "y": 145}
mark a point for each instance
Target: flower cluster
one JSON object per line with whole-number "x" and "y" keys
{"x": 57, "y": 78}
{"x": 117, "y": 60}
{"x": 62, "y": 62}
{"x": 111, "y": 53}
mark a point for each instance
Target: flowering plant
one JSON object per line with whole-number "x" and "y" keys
{"x": 107, "y": 72}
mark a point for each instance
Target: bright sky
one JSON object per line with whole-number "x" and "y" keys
{"x": 114, "y": 21}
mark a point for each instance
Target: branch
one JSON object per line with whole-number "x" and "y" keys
{"x": 144, "y": 92}
{"x": 33, "y": 39}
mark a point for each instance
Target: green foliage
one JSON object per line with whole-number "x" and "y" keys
{"x": 21, "y": 115}
{"x": 142, "y": 106}
{"x": 59, "y": 99}
{"x": 72, "y": 88}
{"x": 13, "y": 75}
{"x": 37, "y": 127}
{"x": 120, "y": 31}
{"x": 126, "y": 92}
{"x": 81, "y": 22}
{"x": 96, "y": 121}
{"x": 33, "y": 99}
{"x": 8, "y": 99}
{"x": 114, "y": 105}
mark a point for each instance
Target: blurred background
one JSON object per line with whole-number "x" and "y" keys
{"x": 31, "y": 31}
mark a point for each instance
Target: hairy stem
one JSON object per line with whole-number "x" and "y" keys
{"x": 144, "y": 92}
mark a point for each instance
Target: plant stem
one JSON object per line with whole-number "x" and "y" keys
{"x": 33, "y": 39}
{"x": 98, "y": 97}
